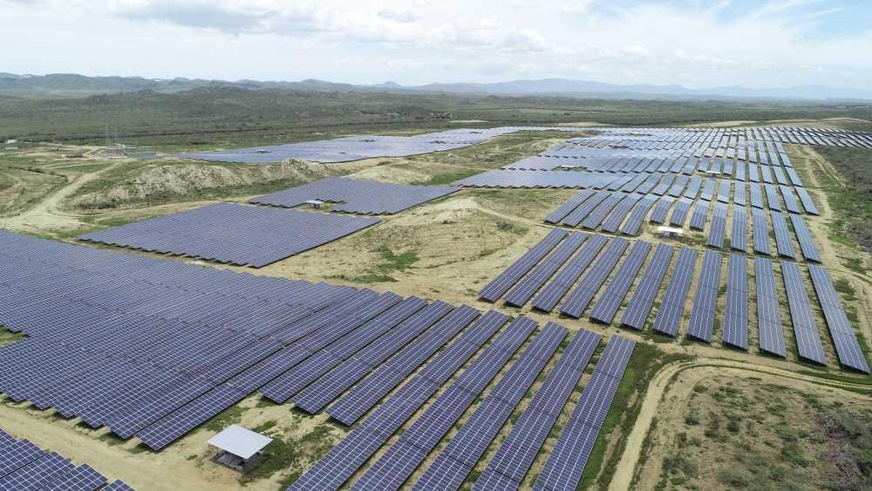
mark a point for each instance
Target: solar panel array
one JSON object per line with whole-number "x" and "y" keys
{"x": 25, "y": 467}
{"x": 354, "y": 196}
{"x": 233, "y": 233}
{"x": 462, "y": 452}
{"x": 168, "y": 345}
{"x": 365, "y": 146}
{"x": 565, "y": 465}
{"x": 847, "y": 347}
{"x": 572, "y": 271}
{"x": 515, "y": 455}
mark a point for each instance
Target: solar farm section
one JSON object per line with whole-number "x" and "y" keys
{"x": 26, "y": 467}
{"x": 673, "y": 234}
{"x": 170, "y": 345}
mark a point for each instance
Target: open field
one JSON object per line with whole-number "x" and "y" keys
{"x": 687, "y": 415}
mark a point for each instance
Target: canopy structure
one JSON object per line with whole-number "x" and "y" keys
{"x": 240, "y": 441}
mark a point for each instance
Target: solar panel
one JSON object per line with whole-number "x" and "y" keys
{"x": 505, "y": 280}
{"x": 672, "y": 306}
{"x": 718, "y": 227}
{"x": 560, "y": 213}
{"x": 661, "y": 210}
{"x": 771, "y": 330}
{"x": 806, "y": 201}
{"x": 700, "y": 213}
{"x": 404, "y": 456}
{"x": 563, "y": 281}
{"x": 808, "y": 339}
{"x": 527, "y": 287}
{"x": 619, "y": 214}
{"x": 607, "y": 306}
{"x": 640, "y": 305}
{"x": 518, "y": 451}
{"x": 591, "y": 282}
{"x": 806, "y": 241}
{"x": 565, "y": 465}
{"x": 790, "y": 201}
{"x": 760, "y": 231}
{"x": 679, "y": 214}
{"x": 847, "y": 347}
{"x": 738, "y": 237}
{"x": 38, "y": 474}
{"x": 365, "y": 395}
{"x": 233, "y": 233}
{"x": 82, "y": 478}
{"x": 736, "y": 310}
{"x": 702, "y": 315}
{"x": 466, "y": 447}
{"x": 637, "y": 215}
{"x": 782, "y": 236}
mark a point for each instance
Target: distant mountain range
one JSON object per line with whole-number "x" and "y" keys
{"x": 71, "y": 85}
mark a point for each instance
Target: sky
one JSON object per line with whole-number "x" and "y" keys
{"x": 694, "y": 43}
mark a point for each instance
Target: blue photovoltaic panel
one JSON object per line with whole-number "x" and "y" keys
{"x": 661, "y": 210}
{"x": 718, "y": 227}
{"x": 233, "y": 233}
{"x": 724, "y": 191}
{"x": 736, "y": 308}
{"x": 790, "y": 201}
{"x": 700, "y": 213}
{"x": 517, "y": 452}
{"x": 593, "y": 220}
{"x": 560, "y": 213}
{"x": 782, "y": 235}
{"x": 505, "y": 280}
{"x": 756, "y": 196}
{"x": 636, "y": 313}
{"x": 806, "y": 201}
{"x": 581, "y": 213}
{"x": 38, "y": 474}
{"x": 565, "y": 465}
{"x": 739, "y": 196}
{"x": 771, "y": 330}
{"x": 526, "y": 288}
{"x": 805, "y": 239}
{"x": 739, "y": 235}
{"x": 637, "y": 215}
{"x": 591, "y": 282}
{"x": 466, "y": 447}
{"x": 563, "y": 281}
{"x": 397, "y": 464}
{"x": 679, "y": 214}
{"x": 668, "y": 317}
{"x": 760, "y": 231}
{"x": 847, "y": 347}
{"x": 619, "y": 214}
{"x": 702, "y": 316}
{"x": 808, "y": 339}
{"x": 360, "y": 399}
{"x": 607, "y": 306}
{"x": 772, "y": 197}
{"x": 82, "y": 478}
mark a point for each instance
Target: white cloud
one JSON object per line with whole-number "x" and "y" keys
{"x": 693, "y": 42}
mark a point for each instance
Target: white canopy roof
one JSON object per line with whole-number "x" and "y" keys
{"x": 239, "y": 441}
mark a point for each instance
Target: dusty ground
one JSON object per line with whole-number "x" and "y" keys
{"x": 716, "y": 424}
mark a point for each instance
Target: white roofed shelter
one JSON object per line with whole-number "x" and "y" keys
{"x": 239, "y": 447}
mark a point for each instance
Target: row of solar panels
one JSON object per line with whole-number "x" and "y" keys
{"x": 577, "y": 268}
{"x": 233, "y": 233}
{"x": 454, "y": 463}
{"x": 25, "y": 467}
{"x": 364, "y": 197}
{"x": 623, "y": 160}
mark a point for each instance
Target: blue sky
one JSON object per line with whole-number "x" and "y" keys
{"x": 695, "y": 43}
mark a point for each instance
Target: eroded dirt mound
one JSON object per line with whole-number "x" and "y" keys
{"x": 164, "y": 181}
